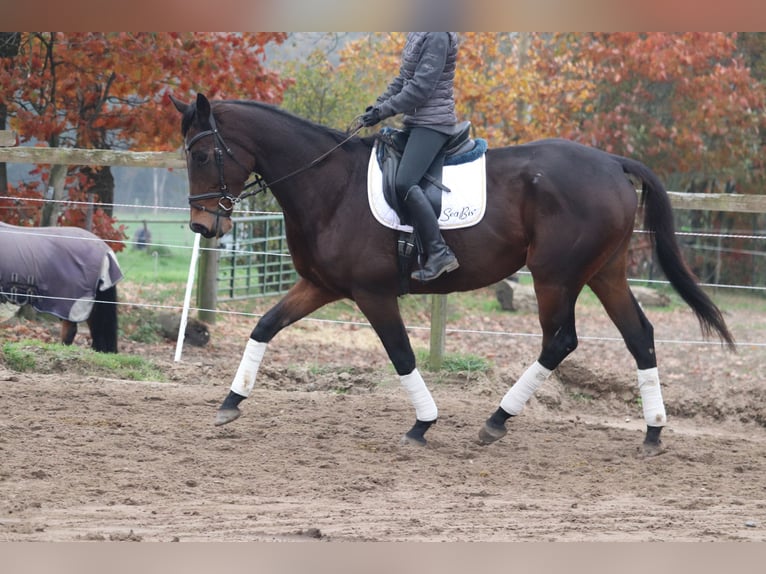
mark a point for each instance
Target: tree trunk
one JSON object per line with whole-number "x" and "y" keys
{"x": 3, "y": 169}
{"x": 9, "y": 48}
{"x": 103, "y": 186}
{"x": 51, "y": 210}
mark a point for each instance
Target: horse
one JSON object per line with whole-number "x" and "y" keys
{"x": 564, "y": 210}
{"x": 67, "y": 272}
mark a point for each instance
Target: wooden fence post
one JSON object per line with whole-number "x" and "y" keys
{"x": 207, "y": 280}
{"x": 438, "y": 331}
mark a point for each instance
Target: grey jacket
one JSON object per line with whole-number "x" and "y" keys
{"x": 423, "y": 90}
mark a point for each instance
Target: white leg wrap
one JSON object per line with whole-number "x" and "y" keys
{"x": 248, "y": 368}
{"x": 425, "y": 407}
{"x": 651, "y": 397}
{"x": 521, "y": 391}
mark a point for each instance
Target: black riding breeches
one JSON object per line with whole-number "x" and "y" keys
{"x": 423, "y": 146}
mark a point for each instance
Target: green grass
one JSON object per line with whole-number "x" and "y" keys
{"x": 140, "y": 324}
{"x": 167, "y": 259}
{"x": 166, "y": 228}
{"x": 155, "y": 266}
{"x": 29, "y": 355}
{"x": 455, "y": 362}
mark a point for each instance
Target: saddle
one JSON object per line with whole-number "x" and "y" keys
{"x": 459, "y": 148}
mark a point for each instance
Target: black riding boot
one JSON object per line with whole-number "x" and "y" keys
{"x": 440, "y": 258}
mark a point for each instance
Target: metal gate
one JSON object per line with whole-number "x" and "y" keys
{"x": 253, "y": 259}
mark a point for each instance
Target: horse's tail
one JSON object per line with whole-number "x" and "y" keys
{"x": 103, "y": 321}
{"x": 658, "y": 218}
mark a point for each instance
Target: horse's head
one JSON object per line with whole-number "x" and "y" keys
{"x": 216, "y": 176}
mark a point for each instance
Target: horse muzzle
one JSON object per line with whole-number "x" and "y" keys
{"x": 203, "y": 230}
{"x": 210, "y": 222}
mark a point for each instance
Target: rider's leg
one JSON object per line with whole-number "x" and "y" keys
{"x": 423, "y": 146}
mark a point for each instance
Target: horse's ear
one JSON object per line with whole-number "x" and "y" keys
{"x": 180, "y": 106}
{"x": 203, "y": 107}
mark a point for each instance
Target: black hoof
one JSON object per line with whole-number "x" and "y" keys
{"x": 416, "y": 435}
{"x": 491, "y": 432}
{"x": 652, "y": 444}
{"x": 228, "y": 411}
{"x": 225, "y": 416}
{"x": 649, "y": 449}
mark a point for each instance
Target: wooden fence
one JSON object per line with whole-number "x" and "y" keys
{"x": 174, "y": 160}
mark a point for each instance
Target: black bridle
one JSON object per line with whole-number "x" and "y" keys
{"x": 227, "y": 201}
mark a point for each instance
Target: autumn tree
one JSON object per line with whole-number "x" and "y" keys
{"x": 108, "y": 90}
{"x": 688, "y": 106}
{"x": 513, "y": 87}
{"x": 9, "y": 48}
{"x": 519, "y": 87}
{"x": 685, "y": 103}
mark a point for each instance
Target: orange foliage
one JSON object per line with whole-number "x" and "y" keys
{"x": 103, "y": 90}
{"x": 109, "y": 90}
{"x": 684, "y": 103}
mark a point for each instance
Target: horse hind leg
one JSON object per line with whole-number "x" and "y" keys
{"x": 303, "y": 298}
{"x": 68, "y": 331}
{"x": 103, "y": 321}
{"x": 638, "y": 333}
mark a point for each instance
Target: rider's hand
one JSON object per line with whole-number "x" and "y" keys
{"x": 370, "y": 117}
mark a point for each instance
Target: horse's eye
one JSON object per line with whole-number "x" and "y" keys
{"x": 200, "y": 157}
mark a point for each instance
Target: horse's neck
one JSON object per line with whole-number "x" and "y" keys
{"x": 290, "y": 158}
{"x": 281, "y": 145}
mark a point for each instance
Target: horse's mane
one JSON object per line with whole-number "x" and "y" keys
{"x": 336, "y": 135}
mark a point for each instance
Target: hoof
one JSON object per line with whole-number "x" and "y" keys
{"x": 413, "y": 440}
{"x": 225, "y": 416}
{"x": 416, "y": 435}
{"x": 652, "y": 445}
{"x": 649, "y": 449}
{"x": 489, "y": 433}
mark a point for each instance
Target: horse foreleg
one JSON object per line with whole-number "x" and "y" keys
{"x": 68, "y": 331}
{"x": 559, "y": 340}
{"x": 384, "y": 316}
{"x": 303, "y": 298}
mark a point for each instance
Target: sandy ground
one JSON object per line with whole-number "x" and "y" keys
{"x": 316, "y": 455}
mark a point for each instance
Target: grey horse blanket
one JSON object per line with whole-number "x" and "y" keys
{"x": 57, "y": 270}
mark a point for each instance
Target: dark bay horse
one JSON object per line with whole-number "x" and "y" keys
{"x": 67, "y": 272}
{"x": 564, "y": 210}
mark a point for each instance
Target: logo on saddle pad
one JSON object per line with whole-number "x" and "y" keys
{"x": 463, "y": 206}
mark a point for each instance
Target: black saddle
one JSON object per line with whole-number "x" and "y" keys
{"x": 459, "y": 148}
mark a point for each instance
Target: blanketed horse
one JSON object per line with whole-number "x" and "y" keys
{"x": 564, "y": 210}
{"x": 67, "y": 272}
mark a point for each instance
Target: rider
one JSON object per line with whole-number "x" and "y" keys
{"x": 423, "y": 92}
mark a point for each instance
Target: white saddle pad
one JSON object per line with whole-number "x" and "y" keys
{"x": 463, "y": 206}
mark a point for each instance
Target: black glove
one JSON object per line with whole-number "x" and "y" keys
{"x": 370, "y": 117}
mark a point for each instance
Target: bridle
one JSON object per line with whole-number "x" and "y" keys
{"x": 227, "y": 201}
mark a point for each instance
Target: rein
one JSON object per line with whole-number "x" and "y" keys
{"x": 259, "y": 183}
